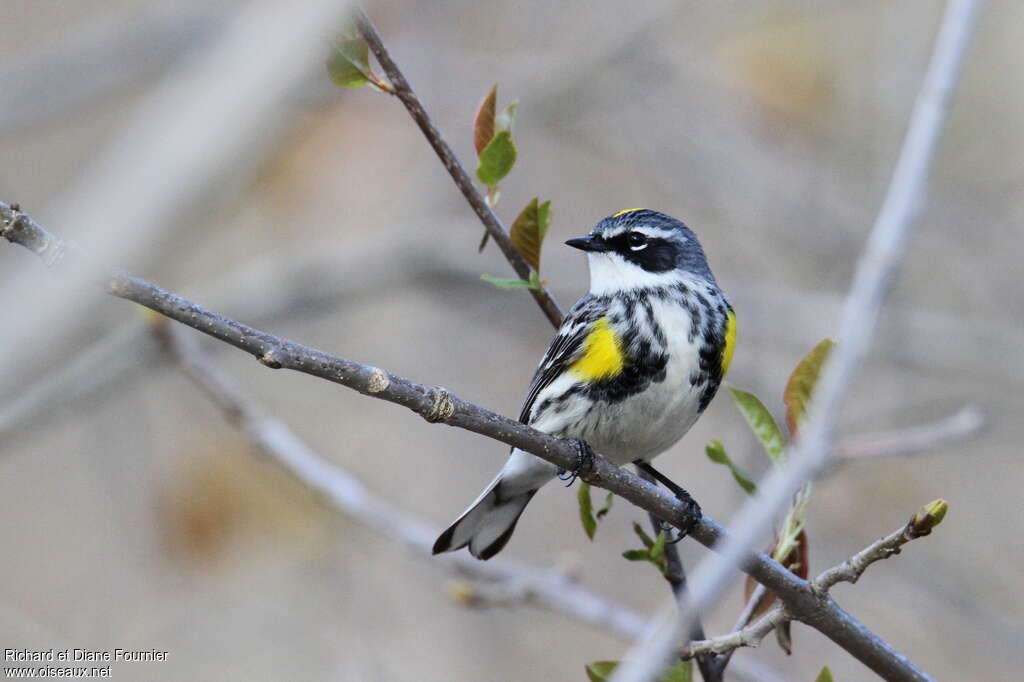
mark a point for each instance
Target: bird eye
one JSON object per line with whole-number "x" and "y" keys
{"x": 636, "y": 240}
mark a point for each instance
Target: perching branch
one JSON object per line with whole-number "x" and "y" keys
{"x": 498, "y": 582}
{"x": 342, "y": 491}
{"x": 810, "y": 455}
{"x": 404, "y": 92}
{"x": 436, "y": 404}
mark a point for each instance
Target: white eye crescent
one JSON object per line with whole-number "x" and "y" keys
{"x": 637, "y": 241}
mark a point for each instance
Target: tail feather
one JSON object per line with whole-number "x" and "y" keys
{"x": 488, "y": 523}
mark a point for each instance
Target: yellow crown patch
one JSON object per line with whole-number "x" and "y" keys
{"x": 625, "y": 211}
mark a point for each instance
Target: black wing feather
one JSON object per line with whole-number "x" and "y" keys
{"x": 564, "y": 348}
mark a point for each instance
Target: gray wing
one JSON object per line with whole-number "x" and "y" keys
{"x": 564, "y": 348}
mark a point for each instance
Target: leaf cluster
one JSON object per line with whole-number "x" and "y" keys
{"x": 790, "y": 546}
{"x": 496, "y": 156}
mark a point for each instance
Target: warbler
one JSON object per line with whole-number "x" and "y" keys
{"x": 633, "y": 365}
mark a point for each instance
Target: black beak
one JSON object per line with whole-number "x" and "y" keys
{"x": 589, "y": 243}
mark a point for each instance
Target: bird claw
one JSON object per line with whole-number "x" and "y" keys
{"x": 584, "y": 462}
{"x": 693, "y": 510}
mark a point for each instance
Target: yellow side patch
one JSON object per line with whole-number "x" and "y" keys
{"x": 625, "y": 211}
{"x": 730, "y": 341}
{"x": 602, "y": 355}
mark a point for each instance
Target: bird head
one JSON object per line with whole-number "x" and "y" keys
{"x": 639, "y": 248}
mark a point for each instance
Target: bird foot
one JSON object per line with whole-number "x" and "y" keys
{"x": 693, "y": 510}
{"x": 584, "y": 462}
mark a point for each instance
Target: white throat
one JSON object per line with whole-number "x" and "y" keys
{"x": 611, "y": 273}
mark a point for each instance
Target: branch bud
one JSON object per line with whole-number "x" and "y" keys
{"x": 463, "y": 592}
{"x": 927, "y": 517}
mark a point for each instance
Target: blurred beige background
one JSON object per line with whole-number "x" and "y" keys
{"x": 134, "y": 516}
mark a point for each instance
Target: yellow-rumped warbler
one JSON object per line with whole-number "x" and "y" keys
{"x": 632, "y": 367}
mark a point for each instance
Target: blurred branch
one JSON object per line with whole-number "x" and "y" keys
{"x": 965, "y": 423}
{"x": 170, "y": 151}
{"x": 492, "y": 224}
{"x": 710, "y": 669}
{"x": 436, "y": 404}
{"x": 102, "y": 364}
{"x": 98, "y": 57}
{"x": 343, "y": 492}
{"x": 875, "y": 271}
{"x": 920, "y": 525}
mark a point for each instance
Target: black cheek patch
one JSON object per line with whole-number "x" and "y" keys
{"x": 659, "y": 256}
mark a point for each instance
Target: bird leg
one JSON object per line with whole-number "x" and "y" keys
{"x": 693, "y": 508}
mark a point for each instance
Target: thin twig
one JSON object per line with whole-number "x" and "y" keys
{"x": 852, "y": 569}
{"x": 749, "y": 636}
{"x": 809, "y": 456}
{"x": 438, "y": 405}
{"x": 492, "y": 224}
{"x": 743, "y": 635}
{"x": 743, "y": 620}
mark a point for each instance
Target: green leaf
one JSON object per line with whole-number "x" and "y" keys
{"x": 792, "y": 536}
{"x": 507, "y": 283}
{"x": 762, "y": 423}
{"x": 606, "y": 507}
{"x": 800, "y": 386}
{"x": 586, "y": 510}
{"x": 644, "y": 537}
{"x": 601, "y": 671}
{"x": 658, "y": 550}
{"x": 483, "y": 122}
{"x": 716, "y": 453}
{"x": 529, "y": 229}
{"x": 349, "y": 64}
{"x": 496, "y": 159}
{"x": 680, "y": 672}
{"x": 824, "y": 676}
{"x": 654, "y": 551}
